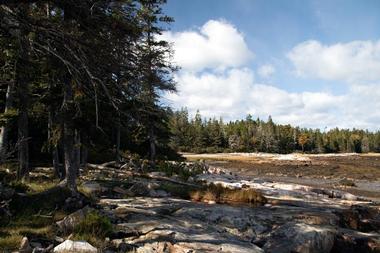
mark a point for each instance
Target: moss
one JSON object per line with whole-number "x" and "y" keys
{"x": 41, "y": 186}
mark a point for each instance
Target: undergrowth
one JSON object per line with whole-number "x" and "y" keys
{"x": 183, "y": 170}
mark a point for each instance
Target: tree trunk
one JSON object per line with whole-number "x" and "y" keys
{"x": 58, "y": 170}
{"x": 22, "y": 80}
{"x": 68, "y": 137}
{"x": 4, "y": 142}
{"x": 152, "y": 141}
{"x": 77, "y": 145}
{"x": 53, "y": 147}
{"x": 118, "y": 140}
{"x": 83, "y": 150}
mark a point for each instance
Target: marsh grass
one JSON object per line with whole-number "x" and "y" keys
{"x": 223, "y": 195}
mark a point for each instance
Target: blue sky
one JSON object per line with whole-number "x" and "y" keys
{"x": 300, "y": 50}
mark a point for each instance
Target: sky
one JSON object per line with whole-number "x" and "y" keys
{"x": 304, "y": 62}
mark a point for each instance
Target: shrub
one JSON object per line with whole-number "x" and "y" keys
{"x": 183, "y": 170}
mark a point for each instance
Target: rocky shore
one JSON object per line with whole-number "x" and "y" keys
{"x": 294, "y": 218}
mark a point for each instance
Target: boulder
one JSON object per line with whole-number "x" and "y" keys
{"x": 300, "y": 238}
{"x": 139, "y": 189}
{"x": 158, "y": 194}
{"x": 350, "y": 241}
{"x": 188, "y": 247}
{"x": 70, "y": 246}
{"x": 68, "y": 223}
{"x": 43, "y": 250}
{"x": 25, "y": 246}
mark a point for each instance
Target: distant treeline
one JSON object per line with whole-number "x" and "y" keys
{"x": 255, "y": 135}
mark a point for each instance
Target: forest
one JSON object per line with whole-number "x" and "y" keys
{"x": 212, "y": 135}
{"x": 81, "y": 81}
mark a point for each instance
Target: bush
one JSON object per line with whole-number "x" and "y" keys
{"x": 183, "y": 170}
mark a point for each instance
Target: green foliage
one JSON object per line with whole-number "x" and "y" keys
{"x": 8, "y": 116}
{"x": 93, "y": 225}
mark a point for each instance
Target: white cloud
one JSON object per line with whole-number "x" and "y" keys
{"x": 215, "y": 80}
{"x": 217, "y": 44}
{"x": 353, "y": 61}
{"x": 215, "y": 94}
{"x": 266, "y": 70}
{"x": 235, "y": 93}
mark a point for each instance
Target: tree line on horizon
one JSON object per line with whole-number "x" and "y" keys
{"x": 212, "y": 135}
{"x": 80, "y": 81}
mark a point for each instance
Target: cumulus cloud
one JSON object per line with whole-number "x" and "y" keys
{"x": 235, "y": 94}
{"x": 353, "y": 61}
{"x": 215, "y": 94}
{"x": 266, "y": 70}
{"x": 216, "y": 81}
{"x": 217, "y": 44}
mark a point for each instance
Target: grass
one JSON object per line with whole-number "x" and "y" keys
{"x": 180, "y": 191}
{"x": 216, "y": 193}
{"x": 220, "y": 194}
{"x": 93, "y": 229}
{"x": 34, "y": 213}
{"x": 29, "y": 226}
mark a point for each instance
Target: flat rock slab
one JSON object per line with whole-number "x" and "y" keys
{"x": 297, "y": 218}
{"x": 177, "y": 225}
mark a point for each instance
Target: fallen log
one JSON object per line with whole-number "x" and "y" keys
{"x": 111, "y": 163}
